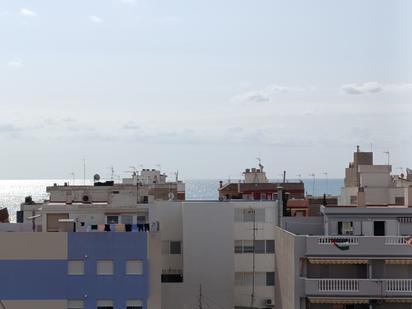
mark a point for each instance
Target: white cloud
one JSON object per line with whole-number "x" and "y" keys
{"x": 15, "y": 63}
{"x": 95, "y": 19}
{"x": 27, "y": 12}
{"x": 266, "y": 94}
{"x": 374, "y": 88}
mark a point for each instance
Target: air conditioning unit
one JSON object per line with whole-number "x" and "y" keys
{"x": 268, "y": 302}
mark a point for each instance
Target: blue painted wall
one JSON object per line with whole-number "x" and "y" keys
{"x": 48, "y": 279}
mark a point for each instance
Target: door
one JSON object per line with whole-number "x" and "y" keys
{"x": 379, "y": 228}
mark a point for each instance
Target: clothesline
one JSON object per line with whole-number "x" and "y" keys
{"x": 144, "y": 227}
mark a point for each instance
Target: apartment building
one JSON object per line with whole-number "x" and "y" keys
{"x": 376, "y": 181}
{"x": 222, "y": 250}
{"x": 350, "y": 257}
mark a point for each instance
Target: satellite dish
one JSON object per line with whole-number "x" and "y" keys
{"x": 96, "y": 177}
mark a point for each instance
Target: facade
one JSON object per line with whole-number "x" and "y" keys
{"x": 79, "y": 270}
{"x": 379, "y": 187}
{"x": 191, "y": 233}
{"x": 350, "y": 257}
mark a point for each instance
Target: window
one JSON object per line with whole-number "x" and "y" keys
{"x": 248, "y": 246}
{"x": 345, "y": 228}
{"x": 248, "y": 215}
{"x": 134, "y": 304}
{"x": 127, "y": 219}
{"x": 353, "y": 199}
{"x": 112, "y": 219}
{"x": 238, "y": 246}
{"x": 75, "y": 304}
{"x": 105, "y": 267}
{"x": 175, "y": 247}
{"x": 75, "y": 267}
{"x": 270, "y": 278}
{"x": 104, "y": 304}
{"x": 141, "y": 219}
{"x": 134, "y": 267}
{"x": 270, "y": 246}
{"x": 259, "y": 246}
{"x": 399, "y": 200}
{"x": 170, "y": 278}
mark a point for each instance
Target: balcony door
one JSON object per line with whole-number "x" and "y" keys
{"x": 379, "y": 228}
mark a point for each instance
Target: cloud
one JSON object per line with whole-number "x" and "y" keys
{"x": 266, "y": 94}
{"x": 374, "y": 88}
{"x": 27, "y": 13}
{"x": 15, "y": 63}
{"x": 95, "y": 19}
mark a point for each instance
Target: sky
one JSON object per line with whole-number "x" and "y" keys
{"x": 203, "y": 87}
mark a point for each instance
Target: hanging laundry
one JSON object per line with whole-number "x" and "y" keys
{"x": 147, "y": 227}
{"x": 128, "y": 227}
{"x": 100, "y": 227}
{"x": 140, "y": 227}
{"x": 341, "y": 245}
{"x": 94, "y": 227}
{"x": 113, "y": 227}
{"x": 120, "y": 228}
{"x": 134, "y": 228}
{"x": 107, "y": 227}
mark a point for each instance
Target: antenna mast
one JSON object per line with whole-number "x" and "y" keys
{"x": 200, "y": 297}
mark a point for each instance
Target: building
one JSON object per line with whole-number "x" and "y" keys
{"x": 256, "y": 186}
{"x": 191, "y": 233}
{"x": 79, "y": 270}
{"x": 379, "y": 187}
{"x": 350, "y": 257}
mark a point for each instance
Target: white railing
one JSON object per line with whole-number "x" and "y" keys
{"x": 327, "y": 240}
{"x": 395, "y": 240}
{"x": 398, "y": 285}
{"x": 338, "y": 285}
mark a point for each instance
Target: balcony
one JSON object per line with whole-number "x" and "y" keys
{"x": 372, "y": 288}
{"x": 384, "y": 246}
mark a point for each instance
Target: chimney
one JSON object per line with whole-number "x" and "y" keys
{"x": 280, "y": 206}
{"x": 408, "y": 196}
{"x": 361, "y": 197}
{"x": 220, "y": 184}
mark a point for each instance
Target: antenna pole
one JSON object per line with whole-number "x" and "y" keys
{"x": 252, "y": 295}
{"x": 84, "y": 171}
{"x": 200, "y": 297}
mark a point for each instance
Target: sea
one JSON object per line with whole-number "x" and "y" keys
{"x": 13, "y": 192}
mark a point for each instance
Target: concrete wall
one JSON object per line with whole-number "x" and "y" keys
{"x": 208, "y": 252}
{"x": 304, "y": 225}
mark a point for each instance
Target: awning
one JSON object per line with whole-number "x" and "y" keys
{"x": 338, "y": 261}
{"x": 399, "y": 300}
{"x": 398, "y": 261}
{"x": 338, "y": 301}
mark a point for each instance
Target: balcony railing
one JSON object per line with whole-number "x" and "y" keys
{"x": 386, "y": 246}
{"x": 359, "y": 287}
{"x": 341, "y": 285}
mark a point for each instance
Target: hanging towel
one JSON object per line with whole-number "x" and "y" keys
{"x": 100, "y": 227}
{"x": 120, "y": 228}
{"x": 134, "y": 228}
{"x": 113, "y": 227}
{"x": 94, "y": 227}
{"x": 128, "y": 227}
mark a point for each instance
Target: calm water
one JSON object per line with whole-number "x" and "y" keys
{"x": 13, "y": 192}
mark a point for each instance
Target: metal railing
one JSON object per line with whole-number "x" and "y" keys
{"x": 398, "y": 285}
{"x": 327, "y": 240}
{"x": 338, "y": 285}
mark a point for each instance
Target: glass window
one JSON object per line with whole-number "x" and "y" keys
{"x": 248, "y": 246}
{"x": 75, "y": 304}
{"x": 270, "y": 278}
{"x": 112, "y": 219}
{"x": 238, "y": 246}
{"x": 134, "y": 304}
{"x": 127, "y": 219}
{"x": 270, "y": 246}
{"x": 353, "y": 199}
{"x": 105, "y": 267}
{"x": 175, "y": 247}
{"x": 259, "y": 246}
{"x": 104, "y": 304}
{"x": 134, "y": 267}
{"x": 141, "y": 219}
{"x": 75, "y": 267}
{"x": 172, "y": 278}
